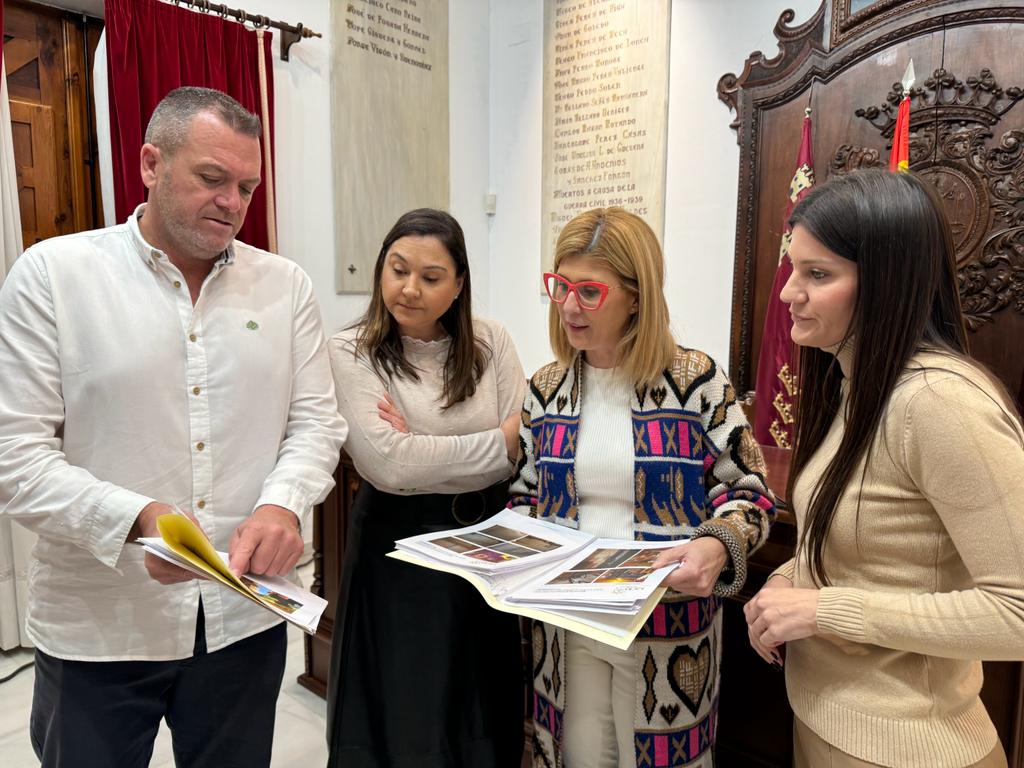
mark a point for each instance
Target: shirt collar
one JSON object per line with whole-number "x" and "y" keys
{"x": 152, "y": 256}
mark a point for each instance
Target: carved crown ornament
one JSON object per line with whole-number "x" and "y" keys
{"x": 979, "y": 179}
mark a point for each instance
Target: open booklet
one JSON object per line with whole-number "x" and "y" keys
{"x": 182, "y": 543}
{"x": 602, "y": 588}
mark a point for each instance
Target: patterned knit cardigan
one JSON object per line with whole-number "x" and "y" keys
{"x": 698, "y": 472}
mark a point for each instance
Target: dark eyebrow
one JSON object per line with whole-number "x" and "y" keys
{"x": 397, "y": 255}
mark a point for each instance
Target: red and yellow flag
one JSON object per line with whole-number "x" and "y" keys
{"x": 777, "y": 363}
{"x": 899, "y": 157}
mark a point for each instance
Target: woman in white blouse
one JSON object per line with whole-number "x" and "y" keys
{"x": 423, "y": 673}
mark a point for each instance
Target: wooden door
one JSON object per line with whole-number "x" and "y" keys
{"x": 47, "y": 54}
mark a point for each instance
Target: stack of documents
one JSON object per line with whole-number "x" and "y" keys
{"x": 602, "y": 588}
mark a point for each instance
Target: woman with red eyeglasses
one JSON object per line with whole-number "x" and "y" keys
{"x": 628, "y": 435}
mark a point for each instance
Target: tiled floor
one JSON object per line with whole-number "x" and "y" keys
{"x": 298, "y": 736}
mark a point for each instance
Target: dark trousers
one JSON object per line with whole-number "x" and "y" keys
{"x": 219, "y": 706}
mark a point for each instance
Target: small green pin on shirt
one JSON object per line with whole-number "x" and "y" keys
{"x": 252, "y": 325}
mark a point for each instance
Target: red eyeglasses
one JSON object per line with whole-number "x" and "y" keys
{"x": 590, "y": 294}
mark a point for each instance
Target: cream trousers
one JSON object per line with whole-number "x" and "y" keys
{"x": 600, "y": 697}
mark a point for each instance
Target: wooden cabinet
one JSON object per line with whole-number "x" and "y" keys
{"x": 755, "y": 721}
{"x": 330, "y": 529}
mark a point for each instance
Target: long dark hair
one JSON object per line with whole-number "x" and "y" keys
{"x": 893, "y": 227}
{"x": 378, "y": 338}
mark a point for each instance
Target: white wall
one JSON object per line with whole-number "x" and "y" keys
{"x": 304, "y": 187}
{"x": 305, "y": 196}
{"x": 495, "y": 71}
{"x": 709, "y": 38}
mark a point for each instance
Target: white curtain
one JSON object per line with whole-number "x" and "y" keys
{"x": 15, "y": 542}
{"x": 106, "y": 155}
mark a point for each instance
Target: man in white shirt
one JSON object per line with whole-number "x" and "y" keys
{"x": 156, "y": 363}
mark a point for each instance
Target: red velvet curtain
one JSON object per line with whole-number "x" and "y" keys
{"x": 153, "y": 48}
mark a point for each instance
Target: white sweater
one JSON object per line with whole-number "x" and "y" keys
{"x": 604, "y": 456}
{"x": 445, "y": 451}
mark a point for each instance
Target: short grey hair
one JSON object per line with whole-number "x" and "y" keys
{"x": 168, "y": 126}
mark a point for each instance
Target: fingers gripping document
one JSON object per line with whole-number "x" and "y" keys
{"x": 602, "y": 588}
{"x": 182, "y": 543}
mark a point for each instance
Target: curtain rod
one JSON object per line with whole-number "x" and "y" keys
{"x": 289, "y": 34}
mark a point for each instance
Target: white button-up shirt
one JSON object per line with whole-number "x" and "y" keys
{"x": 116, "y": 391}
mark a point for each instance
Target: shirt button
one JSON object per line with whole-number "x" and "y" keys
{"x": 201, "y": 504}
{"x": 200, "y": 446}
{"x": 177, "y": 283}
{"x": 192, "y": 337}
{"x": 196, "y": 390}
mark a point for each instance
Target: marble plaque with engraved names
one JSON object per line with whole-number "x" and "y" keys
{"x": 389, "y": 111}
{"x": 605, "y": 111}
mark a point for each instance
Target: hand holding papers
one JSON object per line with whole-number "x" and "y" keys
{"x": 602, "y": 588}
{"x": 183, "y": 544}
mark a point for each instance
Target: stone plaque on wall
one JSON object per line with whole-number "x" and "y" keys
{"x": 605, "y": 110}
{"x": 389, "y": 111}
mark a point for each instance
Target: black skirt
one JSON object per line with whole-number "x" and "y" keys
{"x": 423, "y": 673}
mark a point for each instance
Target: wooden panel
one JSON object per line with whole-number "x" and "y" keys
{"x": 35, "y": 158}
{"x": 757, "y": 737}
{"x": 79, "y": 125}
{"x": 996, "y": 309}
{"x": 95, "y": 29}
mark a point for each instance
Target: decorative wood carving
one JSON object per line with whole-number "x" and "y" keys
{"x": 848, "y": 22}
{"x": 848, "y": 158}
{"x": 981, "y": 186}
{"x": 781, "y": 80}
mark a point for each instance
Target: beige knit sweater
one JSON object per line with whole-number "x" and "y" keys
{"x": 926, "y": 579}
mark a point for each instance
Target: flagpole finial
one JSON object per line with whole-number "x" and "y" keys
{"x": 908, "y": 78}
{"x": 807, "y": 112}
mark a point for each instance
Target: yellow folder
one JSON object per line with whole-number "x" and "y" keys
{"x": 189, "y": 542}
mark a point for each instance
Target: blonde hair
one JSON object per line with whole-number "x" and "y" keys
{"x": 627, "y": 246}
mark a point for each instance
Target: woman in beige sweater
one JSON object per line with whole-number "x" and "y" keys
{"x": 905, "y": 482}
